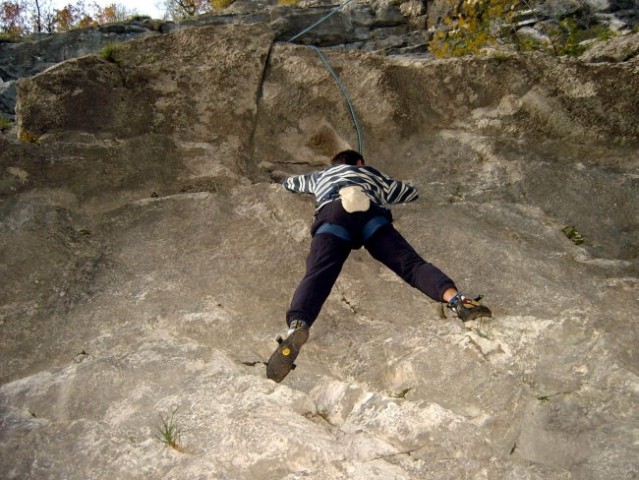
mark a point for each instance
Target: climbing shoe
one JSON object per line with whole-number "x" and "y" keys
{"x": 467, "y": 308}
{"x": 283, "y": 358}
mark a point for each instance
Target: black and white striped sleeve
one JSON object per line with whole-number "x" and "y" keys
{"x": 301, "y": 183}
{"x": 399, "y": 192}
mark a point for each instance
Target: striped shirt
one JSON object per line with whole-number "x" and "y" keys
{"x": 326, "y": 184}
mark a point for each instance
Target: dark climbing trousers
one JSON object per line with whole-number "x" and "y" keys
{"x": 337, "y": 232}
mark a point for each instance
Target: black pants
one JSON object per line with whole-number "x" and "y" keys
{"x": 329, "y": 252}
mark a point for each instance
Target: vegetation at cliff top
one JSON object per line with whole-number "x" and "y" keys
{"x": 470, "y": 26}
{"x": 475, "y": 26}
{"x": 20, "y": 17}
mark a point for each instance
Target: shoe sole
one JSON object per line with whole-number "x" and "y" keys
{"x": 479, "y": 312}
{"x": 283, "y": 358}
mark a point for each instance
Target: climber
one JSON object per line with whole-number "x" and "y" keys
{"x": 351, "y": 212}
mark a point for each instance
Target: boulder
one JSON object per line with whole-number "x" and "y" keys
{"x": 7, "y": 98}
{"x": 178, "y": 87}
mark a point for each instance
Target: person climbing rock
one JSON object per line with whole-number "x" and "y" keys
{"x": 352, "y": 211}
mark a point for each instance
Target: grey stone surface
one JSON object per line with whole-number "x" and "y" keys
{"x": 619, "y": 49}
{"x": 379, "y": 26}
{"x": 7, "y": 98}
{"x": 147, "y": 258}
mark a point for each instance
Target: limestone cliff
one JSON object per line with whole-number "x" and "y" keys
{"x": 148, "y": 257}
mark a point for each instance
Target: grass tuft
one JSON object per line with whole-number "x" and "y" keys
{"x": 170, "y": 433}
{"x": 111, "y": 53}
{"x": 573, "y": 235}
{"x": 5, "y": 124}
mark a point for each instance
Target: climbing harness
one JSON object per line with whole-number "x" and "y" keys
{"x": 351, "y": 108}
{"x": 339, "y": 231}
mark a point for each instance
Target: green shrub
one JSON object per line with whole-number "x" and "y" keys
{"x": 6, "y": 37}
{"x": 476, "y": 24}
{"x": 5, "y": 124}
{"x": 604, "y": 34}
{"x": 529, "y": 45}
{"x": 570, "y": 39}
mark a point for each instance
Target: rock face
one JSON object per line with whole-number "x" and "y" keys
{"x": 379, "y": 26}
{"x": 28, "y": 58}
{"x": 148, "y": 258}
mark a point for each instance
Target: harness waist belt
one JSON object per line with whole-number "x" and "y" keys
{"x": 336, "y": 230}
{"x": 373, "y": 225}
{"x": 341, "y": 232}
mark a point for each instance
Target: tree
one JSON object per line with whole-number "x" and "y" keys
{"x": 12, "y": 19}
{"x": 66, "y": 18}
{"x": 18, "y": 17}
{"x": 37, "y": 15}
{"x": 40, "y": 15}
{"x": 79, "y": 16}
{"x": 177, "y": 9}
{"x": 112, "y": 13}
{"x": 48, "y": 20}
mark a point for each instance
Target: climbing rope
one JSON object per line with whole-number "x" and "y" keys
{"x": 351, "y": 108}
{"x": 320, "y": 21}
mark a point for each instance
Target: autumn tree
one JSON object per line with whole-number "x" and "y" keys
{"x": 19, "y": 17}
{"x": 112, "y": 13}
{"x": 78, "y": 15}
{"x": 12, "y": 22}
{"x": 177, "y": 9}
{"x": 65, "y": 18}
{"x": 37, "y": 15}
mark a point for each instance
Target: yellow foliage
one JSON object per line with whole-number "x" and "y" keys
{"x": 472, "y": 25}
{"x": 28, "y": 137}
{"x": 220, "y": 4}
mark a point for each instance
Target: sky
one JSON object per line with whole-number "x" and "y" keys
{"x": 143, "y": 7}
{"x": 152, "y": 8}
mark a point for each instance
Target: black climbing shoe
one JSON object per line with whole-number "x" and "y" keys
{"x": 467, "y": 308}
{"x": 281, "y": 362}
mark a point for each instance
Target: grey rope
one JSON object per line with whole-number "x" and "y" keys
{"x": 321, "y": 20}
{"x": 351, "y": 108}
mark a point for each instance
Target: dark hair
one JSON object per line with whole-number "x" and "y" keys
{"x": 348, "y": 157}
